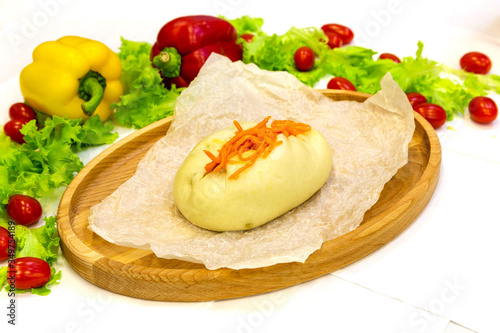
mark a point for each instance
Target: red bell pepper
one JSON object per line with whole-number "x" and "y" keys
{"x": 185, "y": 43}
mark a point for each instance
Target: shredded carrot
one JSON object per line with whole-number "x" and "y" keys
{"x": 260, "y": 140}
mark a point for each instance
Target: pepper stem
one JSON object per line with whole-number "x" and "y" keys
{"x": 95, "y": 90}
{"x": 169, "y": 62}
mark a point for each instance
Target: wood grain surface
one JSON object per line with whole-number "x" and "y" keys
{"x": 139, "y": 273}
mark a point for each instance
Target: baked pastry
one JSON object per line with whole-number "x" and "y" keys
{"x": 245, "y": 175}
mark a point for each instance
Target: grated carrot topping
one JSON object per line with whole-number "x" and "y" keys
{"x": 260, "y": 140}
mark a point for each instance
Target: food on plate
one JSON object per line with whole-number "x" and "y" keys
{"x": 74, "y": 77}
{"x": 185, "y": 43}
{"x": 368, "y": 141}
{"x": 243, "y": 176}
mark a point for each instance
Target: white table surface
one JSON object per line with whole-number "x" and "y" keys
{"x": 439, "y": 275}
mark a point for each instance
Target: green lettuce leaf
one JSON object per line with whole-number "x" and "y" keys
{"x": 357, "y": 64}
{"x": 96, "y": 133}
{"x": 71, "y": 132}
{"x": 247, "y": 25}
{"x": 145, "y": 99}
{"x": 48, "y": 159}
{"x": 452, "y": 89}
{"x": 41, "y": 242}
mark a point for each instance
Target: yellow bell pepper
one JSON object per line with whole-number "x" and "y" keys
{"x": 73, "y": 76}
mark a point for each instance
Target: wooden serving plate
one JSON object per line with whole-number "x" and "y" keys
{"x": 139, "y": 273}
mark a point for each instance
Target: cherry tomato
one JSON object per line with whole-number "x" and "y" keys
{"x": 304, "y": 58}
{"x": 31, "y": 272}
{"x": 390, "y": 56}
{"x": 5, "y": 240}
{"x": 13, "y": 129}
{"x": 334, "y": 39}
{"x": 483, "y": 109}
{"x": 416, "y": 98}
{"x": 247, "y": 37}
{"x": 24, "y": 209}
{"x": 475, "y": 62}
{"x": 340, "y": 83}
{"x": 433, "y": 113}
{"x": 344, "y": 32}
{"x": 21, "y": 111}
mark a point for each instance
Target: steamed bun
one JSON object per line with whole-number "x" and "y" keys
{"x": 292, "y": 172}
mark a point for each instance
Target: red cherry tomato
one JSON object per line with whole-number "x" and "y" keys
{"x": 21, "y": 111}
{"x": 416, "y": 98}
{"x": 30, "y": 272}
{"x": 475, "y": 62}
{"x": 304, "y": 58}
{"x": 433, "y": 113}
{"x": 247, "y": 37}
{"x": 13, "y": 129}
{"x": 334, "y": 39}
{"x": 346, "y": 33}
{"x": 5, "y": 240}
{"x": 390, "y": 56}
{"x": 340, "y": 83}
{"x": 483, "y": 109}
{"x": 24, "y": 209}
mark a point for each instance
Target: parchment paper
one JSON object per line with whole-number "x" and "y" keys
{"x": 369, "y": 142}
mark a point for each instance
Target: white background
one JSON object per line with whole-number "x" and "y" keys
{"x": 439, "y": 275}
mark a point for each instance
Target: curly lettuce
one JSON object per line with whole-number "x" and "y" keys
{"x": 452, "y": 89}
{"x": 145, "y": 99}
{"x": 41, "y": 242}
{"x": 275, "y": 52}
{"x": 48, "y": 159}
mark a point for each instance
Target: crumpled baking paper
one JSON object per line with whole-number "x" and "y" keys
{"x": 369, "y": 142}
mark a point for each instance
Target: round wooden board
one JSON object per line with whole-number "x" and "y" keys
{"x": 139, "y": 273}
